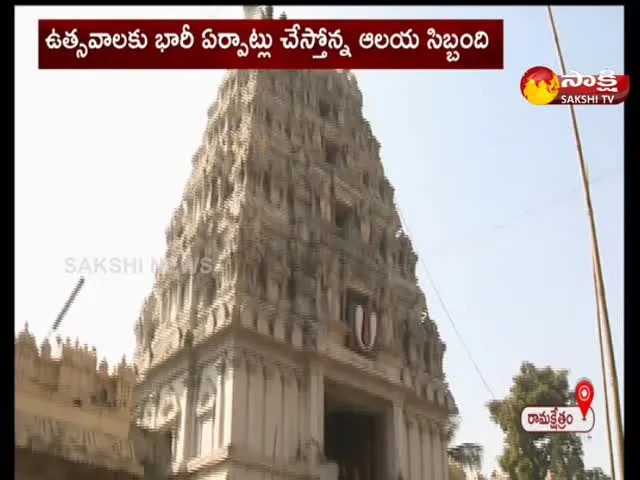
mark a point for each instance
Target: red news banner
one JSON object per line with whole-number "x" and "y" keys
{"x": 272, "y": 44}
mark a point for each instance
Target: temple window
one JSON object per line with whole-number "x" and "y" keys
{"x": 342, "y": 219}
{"x": 331, "y": 153}
{"x": 266, "y": 185}
{"x": 383, "y": 248}
{"x": 356, "y": 304}
{"x": 263, "y": 281}
{"x": 323, "y": 109}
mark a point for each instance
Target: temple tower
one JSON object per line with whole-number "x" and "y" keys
{"x": 289, "y": 299}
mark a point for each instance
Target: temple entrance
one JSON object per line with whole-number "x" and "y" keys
{"x": 354, "y": 436}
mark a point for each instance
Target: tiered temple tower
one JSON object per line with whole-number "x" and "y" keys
{"x": 290, "y": 288}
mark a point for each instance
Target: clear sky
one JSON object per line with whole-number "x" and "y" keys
{"x": 487, "y": 184}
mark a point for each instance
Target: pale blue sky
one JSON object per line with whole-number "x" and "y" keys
{"x": 488, "y": 185}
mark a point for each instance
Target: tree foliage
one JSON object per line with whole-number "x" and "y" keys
{"x": 595, "y": 474}
{"x": 465, "y": 455}
{"x": 456, "y": 472}
{"x": 468, "y": 455}
{"x": 528, "y": 456}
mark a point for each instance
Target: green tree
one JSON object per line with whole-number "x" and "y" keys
{"x": 529, "y": 456}
{"x": 596, "y": 474}
{"x": 466, "y": 455}
{"x": 456, "y": 472}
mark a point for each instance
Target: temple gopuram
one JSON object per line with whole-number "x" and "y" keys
{"x": 288, "y": 338}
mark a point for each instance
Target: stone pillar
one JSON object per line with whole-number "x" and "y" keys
{"x": 315, "y": 412}
{"x": 188, "y": 418}
{"x": 427, "y": 454}
{"x": 414, "y": 448}
{"x": 289, "y": 412}
{"x": 270, "y": 410}
{"x": 181, "y": 452}
{"x": 390, "y": 447}
{"x": 445, "y": 455}
{"x": 436, "y": 446}
{"x": 218, "y": 418}
{"x": 255, "y": 372}
{"x": 240, "y": 400}
{"x": 228, "y": 410}
{"x": 400, "y": 440}
{"x": 298, "y": 428}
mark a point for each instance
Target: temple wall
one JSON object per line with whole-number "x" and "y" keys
{"x": 70, "y": 410}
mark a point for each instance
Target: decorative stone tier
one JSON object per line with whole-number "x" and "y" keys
{"x": 70, "y": 408}
{"x": 70, "y": 373}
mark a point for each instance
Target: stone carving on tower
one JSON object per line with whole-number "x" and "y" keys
{"x": 285, "y": 247}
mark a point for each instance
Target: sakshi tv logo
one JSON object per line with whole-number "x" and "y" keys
{"x": 542, "y": 86}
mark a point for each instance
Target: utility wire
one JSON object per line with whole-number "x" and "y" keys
{"x": 525, "y": 213}
{"x": 448, "y": 314}
{"x": 553, "y": 202}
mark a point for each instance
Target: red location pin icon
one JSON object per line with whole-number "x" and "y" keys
{"x": 584, "y": 396}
